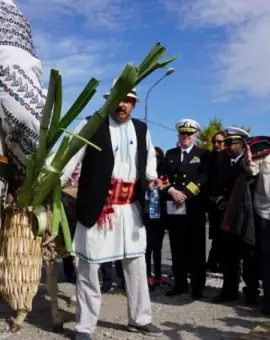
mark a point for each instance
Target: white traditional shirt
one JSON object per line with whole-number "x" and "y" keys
{"x": 127, "y": 238}
{"x": 261, "y": 169}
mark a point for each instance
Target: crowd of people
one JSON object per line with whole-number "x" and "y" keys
{"x": 226, "y": 186}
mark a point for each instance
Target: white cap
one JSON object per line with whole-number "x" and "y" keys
{"x": 235, "y": 131}
{"x": 132, "y": 94}
{"x": 188, "y": 125}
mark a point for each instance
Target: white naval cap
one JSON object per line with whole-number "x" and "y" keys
{"x": 132, "y": 94}
{"x": 234, "y": 134}
{"x": 235, "y": 131}
{"x": 188, "y": 125}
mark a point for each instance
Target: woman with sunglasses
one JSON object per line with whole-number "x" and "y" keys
{"x": 214, "y": 214}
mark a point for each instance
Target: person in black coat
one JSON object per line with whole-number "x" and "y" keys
{"x": 233, "y": 248}
{"x": 215, "y": 215}
{"x": 155, "y": 229}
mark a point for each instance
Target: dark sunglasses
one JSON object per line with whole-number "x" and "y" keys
{"x": 219, "y": 142}
{"x": 187, "y": 133}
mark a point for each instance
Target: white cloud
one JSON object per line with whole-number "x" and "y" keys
{"x": 242, "y": 62}
{"x": 76, "y": 59}
{"x": 62, "y": 41}
{"x": 110, "y": 14}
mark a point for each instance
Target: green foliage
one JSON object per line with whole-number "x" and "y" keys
{"x": 215, "y": 125}
{"x": 206, "y": 134}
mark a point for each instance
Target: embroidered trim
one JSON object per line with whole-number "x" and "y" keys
{"x": 15, "y": 30}
{"x": 107, "y": 259}
{"x": 24, "y": 128}
{"x": 13, "y": 84}
{"x": 194, "y": 160}
{"x": 26, "y": 77}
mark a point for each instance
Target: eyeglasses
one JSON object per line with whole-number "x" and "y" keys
{"x": 219, "y": 142}
{"x": 182, "y": 133}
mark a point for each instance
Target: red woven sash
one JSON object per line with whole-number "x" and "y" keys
{"x": 120, "y": 193}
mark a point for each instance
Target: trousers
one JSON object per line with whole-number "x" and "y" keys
{"x": 155, "y": 231}
{"x": 187, "y": 241}
{"x": 107, "y": 271}
{"x": 263, "y": 240}
{"x": 89, "y": 294}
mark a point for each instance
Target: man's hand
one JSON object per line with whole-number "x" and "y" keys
{"x": 10, "y": 198}
{"x": 248, "y": 155}
{"x": 156, "y": 182}
{"x": 179, "y": 197}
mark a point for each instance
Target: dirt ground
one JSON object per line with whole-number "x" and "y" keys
{"x": 180, "y": 318}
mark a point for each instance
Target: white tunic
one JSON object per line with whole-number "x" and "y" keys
{"x": 127, "y": 238}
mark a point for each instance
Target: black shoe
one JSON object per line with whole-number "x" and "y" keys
{"x": 266, "y": 307}
{"x": 148, "y": 329}
{"x": 212, "y": 267}
{"x": 177, "y": 291}
{"x": 71, "y": 279}
{"x": 251, "y": 300}
{"x": 251, "y": 296}
{"x": 82, "y": 336}
{"x": 197, "y": 295}
{"x": 225, "y": 298}
{"x": 266, "y": 311}
{"x": 106, "y": 287}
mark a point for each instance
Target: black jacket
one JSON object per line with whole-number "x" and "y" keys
{"x": 239, "y": 218}
{"x": 190, "y": 177}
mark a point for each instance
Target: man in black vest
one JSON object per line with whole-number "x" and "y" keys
{"x": 186, "y": 168}
{"x": 110, "y": 206}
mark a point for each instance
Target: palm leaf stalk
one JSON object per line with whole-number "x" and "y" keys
{"x": 57, "y": 108}
{"x": 39, "y": 184}
{"x": 41, "y": 151}
{"x": 119, "y": 92}
{"x": 80, "y": 103}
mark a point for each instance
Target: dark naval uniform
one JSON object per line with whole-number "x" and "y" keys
{"x": 188, "y": 173}
{"x": 232, "y": 247}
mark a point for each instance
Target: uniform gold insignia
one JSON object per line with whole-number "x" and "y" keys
{"x": 195, "y": 159}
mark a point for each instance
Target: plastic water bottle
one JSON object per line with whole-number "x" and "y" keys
{"x": 154, "y": 204}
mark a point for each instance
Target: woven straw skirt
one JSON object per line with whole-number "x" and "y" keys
{"x": 20, "y": 258}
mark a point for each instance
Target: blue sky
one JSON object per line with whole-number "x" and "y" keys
{"x": 223, "y": 51}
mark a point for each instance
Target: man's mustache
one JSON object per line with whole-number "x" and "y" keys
{"x": 120, "y": 109}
